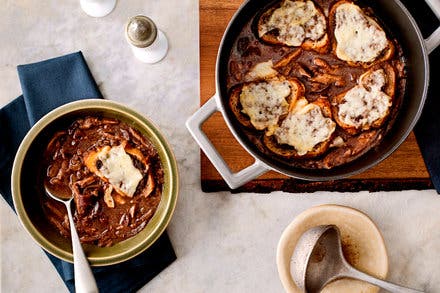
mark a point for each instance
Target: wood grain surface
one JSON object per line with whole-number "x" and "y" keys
{"x": 404, "y": 169}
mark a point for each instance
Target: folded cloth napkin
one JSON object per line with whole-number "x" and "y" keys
{"x": 47, "y": 85}
{"x": 427, "y": 130}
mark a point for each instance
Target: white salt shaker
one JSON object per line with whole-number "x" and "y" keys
{"x": 148, "y": 43}
{"x": 98, "y": 8}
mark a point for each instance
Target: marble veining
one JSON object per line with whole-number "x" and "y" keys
{"x": 224, "y": 242}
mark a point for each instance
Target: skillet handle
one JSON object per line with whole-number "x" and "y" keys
{"x": 234, "y": 180}
{"x": 433, "y": 41}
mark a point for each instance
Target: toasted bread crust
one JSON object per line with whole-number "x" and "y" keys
{"x": 235, "y": 106}
{"x": 385, "y": 55}
{"x": 289, "y": 152}
{"x": 287, "y": 59}
{"x": 321, "y": 45}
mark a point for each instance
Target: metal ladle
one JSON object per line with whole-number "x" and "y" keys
{"x": 318, "y": 260}
{"x": 84, "y": 279}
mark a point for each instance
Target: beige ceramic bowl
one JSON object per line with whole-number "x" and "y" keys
{"x": 26, "y": 182}
{"x": 362, "y": 244}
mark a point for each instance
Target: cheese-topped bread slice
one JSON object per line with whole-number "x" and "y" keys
{"x": 123, "y": 168}
{"x": 260, "y": 104}
{"x": 361, "y": 108}
{"x": 306, "y": 131}
{"x": 368, "y": 104}
{"x": 294, "y": 23}
{"x": 116, "y": 167}
{"x": 359, "y": 39}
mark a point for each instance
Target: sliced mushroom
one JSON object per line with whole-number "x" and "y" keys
{"x": 89, "y": 122}
{"x": 124, "y": 220}
{"x": 316, "y": 87}
{"x": 322, "y": 63}
{"x": 150, "y": 185}
{"x": 86, "y": 181}
{"x": 287, "y": 59}
{"x": 110, "y": 121}
{"x": 108, "y": 199}
{"x": 137, "y": 137}
{"x": 81, "y": 202}
{"x": 95, "y": 210}
{"x": 75, "y": 163}
{"x": 328, "y": 79}
{"x": 303, "y": 71}
{"x": 132, "y": 210}
{"x": 54, "y": 140}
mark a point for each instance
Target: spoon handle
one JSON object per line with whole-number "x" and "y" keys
{"x": 84, "y": 279}
{"x": 353, "y": 273}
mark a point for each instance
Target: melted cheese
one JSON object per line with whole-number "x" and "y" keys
{"x": 265, "y": 102}
{"x": 359, "y": 38}
{"x": 304, "y": 128}
{"x": 374, "y": 81}
{"x": 118, "y": 168}
{"x": 295, "y": 21}
{"x": 362, "y": 107}
{"x": 262, "y": 70}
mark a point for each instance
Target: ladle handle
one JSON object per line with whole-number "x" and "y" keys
{"x": 84, "y": 279}
{"x": 355, "y": 274}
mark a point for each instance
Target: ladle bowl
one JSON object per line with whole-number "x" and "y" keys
{"x": 318, "y": 260}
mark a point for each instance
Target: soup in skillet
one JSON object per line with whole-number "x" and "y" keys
{"x": 112, "y": 171}
{"x": 315, "y": 84}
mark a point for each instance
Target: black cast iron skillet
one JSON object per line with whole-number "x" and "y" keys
{"x": 398, "y": 21}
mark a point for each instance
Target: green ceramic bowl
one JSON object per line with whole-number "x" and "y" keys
{"x": 27, "y": 187}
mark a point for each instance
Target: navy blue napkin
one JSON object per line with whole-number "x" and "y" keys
{"x": 427, "y": 130}
{"x": 47, "y": 85}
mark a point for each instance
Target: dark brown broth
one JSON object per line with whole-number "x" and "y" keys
{"x": 95, "y": 222}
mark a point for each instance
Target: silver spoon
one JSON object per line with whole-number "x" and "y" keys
{"x": 318, "y": 260}
{"x": 84, "y": 279}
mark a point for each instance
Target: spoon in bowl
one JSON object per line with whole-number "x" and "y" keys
{"x": 84, "y": 279}
{"x": 318, "y": 260}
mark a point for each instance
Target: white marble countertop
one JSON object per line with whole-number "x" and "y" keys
{"x": 224, "y": 242}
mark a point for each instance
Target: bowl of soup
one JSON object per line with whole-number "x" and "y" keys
{"x": 117, "y": 166}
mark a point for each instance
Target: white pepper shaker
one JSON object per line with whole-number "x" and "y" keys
{"x": 148, "y": 43}
{"x": 98, "y": 8}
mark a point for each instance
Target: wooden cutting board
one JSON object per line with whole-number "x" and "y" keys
{"x": 404, "y": 169}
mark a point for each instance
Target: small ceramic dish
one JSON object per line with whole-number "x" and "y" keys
{"x": 26, "y": 187}
{"x": 362, "y": 244}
